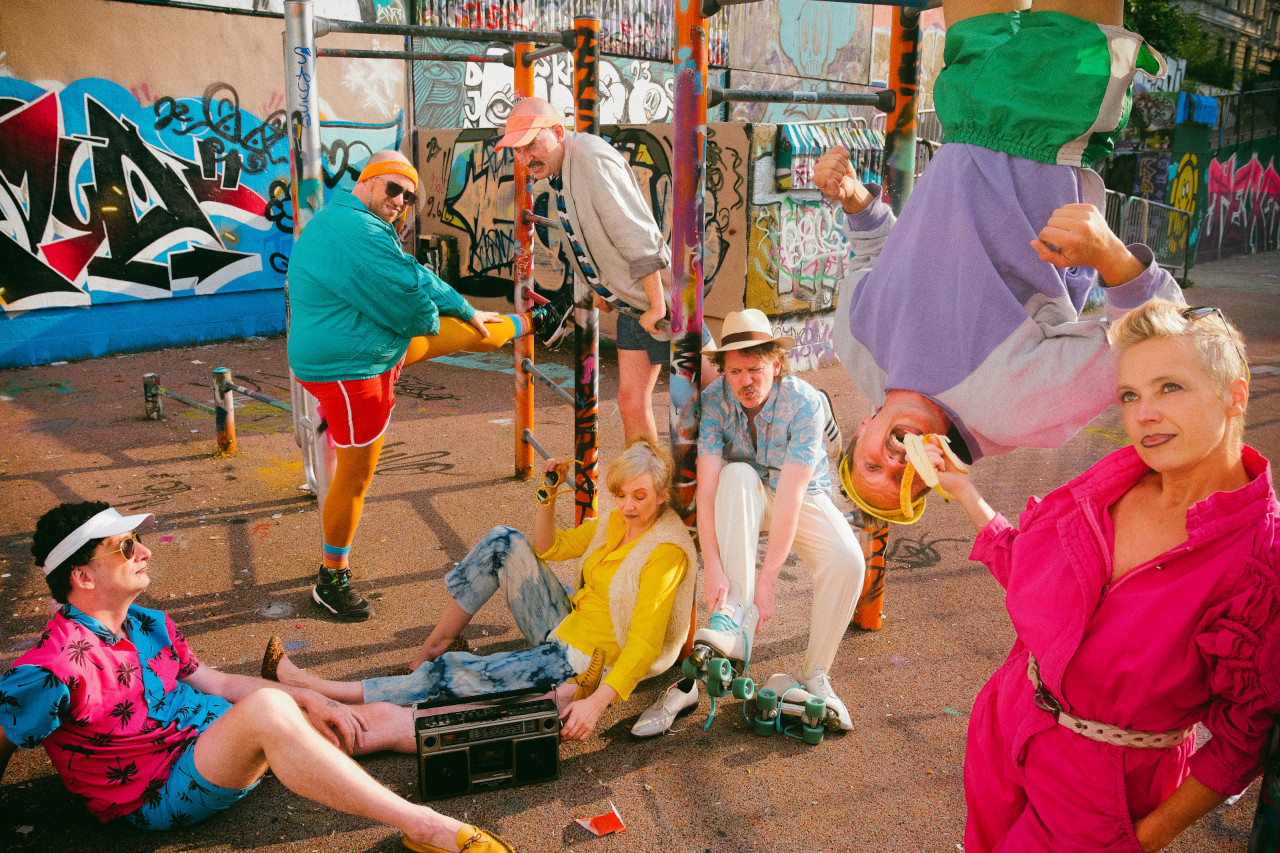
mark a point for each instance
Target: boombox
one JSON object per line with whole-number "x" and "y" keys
{"x": 494, "y": 741}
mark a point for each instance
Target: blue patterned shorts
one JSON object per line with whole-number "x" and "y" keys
{"x": 185, "y": 797}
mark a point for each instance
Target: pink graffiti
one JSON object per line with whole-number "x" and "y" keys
{"x": 1243, "y": 214}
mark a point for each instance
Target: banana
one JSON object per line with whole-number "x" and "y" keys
{"x": 918, "y": 464}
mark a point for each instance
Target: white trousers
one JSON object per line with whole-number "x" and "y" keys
{"x": 824, "y": 541}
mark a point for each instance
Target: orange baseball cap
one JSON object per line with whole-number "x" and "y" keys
{"x": 522, "y": 129}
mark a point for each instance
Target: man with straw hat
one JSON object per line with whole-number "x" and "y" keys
{"x": 762, "y": 469}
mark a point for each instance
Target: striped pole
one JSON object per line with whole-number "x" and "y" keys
{"x": 586, "y": 334}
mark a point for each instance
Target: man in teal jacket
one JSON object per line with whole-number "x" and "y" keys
{"x": 360, "y": 310}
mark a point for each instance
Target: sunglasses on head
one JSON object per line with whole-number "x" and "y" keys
{"x": 1199, "y": 312}
{"x": 128, "y": 547}
{"x": 394, "y": 190}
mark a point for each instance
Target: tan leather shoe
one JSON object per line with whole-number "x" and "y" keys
{"x": 470, "y": 840}
{"x": 271, "y": 658}
{"x": 589, "y": 679}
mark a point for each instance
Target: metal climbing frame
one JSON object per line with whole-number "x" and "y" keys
{"x": 223, "y": 409}
{"x": 687, "y": 231}
{"x": 302, "y": 27}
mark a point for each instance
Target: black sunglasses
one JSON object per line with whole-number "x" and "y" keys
{"x": 394, "y": 189}
{"x": 1199, "y": 312}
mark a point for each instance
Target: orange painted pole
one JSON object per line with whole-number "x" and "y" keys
{"x": 900, "y": 124}
{"x": 688, "y": 232}
{"x": 523, "y": 281}
{"x": 869, "y": 614}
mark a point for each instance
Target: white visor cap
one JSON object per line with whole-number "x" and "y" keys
{"x": 104, "y": 524}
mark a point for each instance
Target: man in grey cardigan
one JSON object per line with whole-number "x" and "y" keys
{"x": 613, "y": 241}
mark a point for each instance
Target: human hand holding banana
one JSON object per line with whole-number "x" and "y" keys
{"x": 931, "y": 458}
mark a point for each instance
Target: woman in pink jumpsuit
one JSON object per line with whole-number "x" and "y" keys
{"x": 1147, "y": 592}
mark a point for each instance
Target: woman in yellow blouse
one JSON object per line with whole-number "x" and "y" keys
{"x": 625, "y": 619}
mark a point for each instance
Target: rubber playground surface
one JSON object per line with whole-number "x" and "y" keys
{"x": 236, "y": 549}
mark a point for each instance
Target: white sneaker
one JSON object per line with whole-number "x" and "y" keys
{"x": 671, "y": 705}
{"x": 730, "y": 634}
{"x": 819, "y": 685}
{"x": 830, "y": 429}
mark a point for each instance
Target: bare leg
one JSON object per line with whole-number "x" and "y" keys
{"x": 1099, "y": 11}
{"x": 389, "y": 727}
{"x": 956, "y": 11}
{"x": 451, "y": 623}
{"x": 348, "y": 692}
{"x": 266, "y": 729}
{"x": 636, "y": 381}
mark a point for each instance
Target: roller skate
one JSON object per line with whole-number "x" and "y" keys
{"x": 716, "y": 648}
{"x": 782, "y": 696}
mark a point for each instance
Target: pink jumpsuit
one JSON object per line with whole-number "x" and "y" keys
{"x": 1192, "y": 636}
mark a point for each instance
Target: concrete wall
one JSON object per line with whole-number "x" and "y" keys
{"x": 1241, "y": 213}
{"x": 144, "y": 170}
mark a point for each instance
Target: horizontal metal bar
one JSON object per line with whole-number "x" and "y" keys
{"x": 527, "y": 438}
{"x": 545, "y": 221}
{"x": 181, "y": 399}
{"x": 260, "y": 397}
{"x": 882, "y": 100}
{"x": 410, "y": 54}
{"x": 528, "y": 366}
{"x": 534, "y": 55}
{"x": 325, "y": 26}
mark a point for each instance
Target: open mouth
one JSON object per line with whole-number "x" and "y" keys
{"x": 893, "y": 444}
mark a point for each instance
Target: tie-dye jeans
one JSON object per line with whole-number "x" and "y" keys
{"x": 504, "y": 559}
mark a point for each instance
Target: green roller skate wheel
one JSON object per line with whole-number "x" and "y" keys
{"x": 743, "y": 687}
{"x": 766, "y": 701}
{"x": 812, "y": 735}
{"x": 763, "y": 727}
{"x": 689, "y": 668}
{"x": 815, "y": 708}
{"x": 722, "y": 669}
{"x": 715, "y": 686}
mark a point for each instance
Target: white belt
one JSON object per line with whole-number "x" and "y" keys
{"x": 1100, "y": 732}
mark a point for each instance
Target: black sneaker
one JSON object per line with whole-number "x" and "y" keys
{"x": 334, "y": 593}
{"x": 550, "y": 321}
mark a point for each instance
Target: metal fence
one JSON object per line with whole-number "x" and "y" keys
{"x": 1166, "y": 229}
{"x": 1248, "y": 115}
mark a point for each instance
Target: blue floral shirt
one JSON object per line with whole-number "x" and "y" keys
{"x": 788, "y": 429}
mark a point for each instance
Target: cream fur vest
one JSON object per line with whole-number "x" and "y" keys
{"x": 624, "y": 589}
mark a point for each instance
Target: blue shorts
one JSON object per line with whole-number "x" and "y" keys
{"x": 632, "y": 336}
{"x": 185, "y": 798}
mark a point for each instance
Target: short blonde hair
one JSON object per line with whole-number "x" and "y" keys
{"x": 640, "y": 457}
{"x": 1219, "y": 343}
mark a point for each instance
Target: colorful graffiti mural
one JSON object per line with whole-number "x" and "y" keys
{"x": 103, "y": 199}
{"x": 1242, "y": 214}
{"x": 468, "y": 195}
{"x": 1183, "y": 189}
{"x": 473, "y": 94}
{"x": 1151, "y": 179}
{"x": 814, "y": 334}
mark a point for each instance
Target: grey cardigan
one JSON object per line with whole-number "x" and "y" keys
{"x": 612, "y": 219}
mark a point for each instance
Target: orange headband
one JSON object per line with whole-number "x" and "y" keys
{"x": 390, "y": 167}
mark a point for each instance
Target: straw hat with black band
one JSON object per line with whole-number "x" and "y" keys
{"x": 747, "y": 328}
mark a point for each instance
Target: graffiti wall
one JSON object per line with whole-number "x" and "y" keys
{"x": 1242, "y": 209}
{"x": 139, "y": 187}
{"x": 469, "y": 200}
{"x": 103, "y": 199}
{"x": 473, "y": 94}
